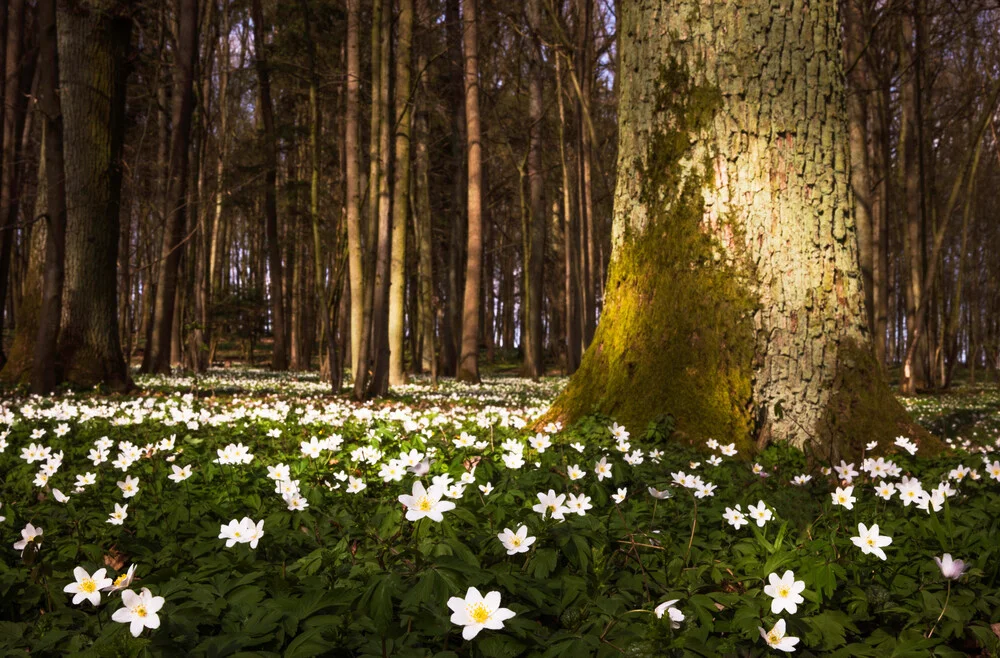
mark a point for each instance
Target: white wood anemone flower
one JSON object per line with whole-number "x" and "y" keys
{"x": 776, "y": 638}
{"x": 88, "y": 587}
{"x": 139, "y": 610}
{"x": 476, "y": 612}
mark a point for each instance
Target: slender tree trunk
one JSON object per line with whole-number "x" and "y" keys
{"x": 370, "y": 250}
{"x": 352, "y": 181}
{"x": 17, "y": 79}
{"x": 858, "y": 86}
{"x": 734, "y": 301}
{"x": 163, "y": 336}
{"x": 422, "y": 210}
{"x": 468, "y": 365}
{"x": 401, "y": 193}
{"x": 279, "y": 352}
{"x": 93, "y": 49}
{"x": 572, "y": 289}
{"x": 43, "y": 374}
{"x": 533, "y": 272}
{"x": 914, "y": 371}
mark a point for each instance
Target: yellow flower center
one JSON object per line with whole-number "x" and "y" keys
{"x": 88, "y": 585}
{"x": 479, "y": 613}
{"x": 773, "y": 638}
{"x": 552, "y": 507}
{"x": 237, "y": 534}
{"x": 120, "y": 579}
{"x": 871, "y": 542}
{"x": 424, "y": 504}
{"x": 783, "y": 591}
{"x": 140, "y": 611}
{"x": 515, "y": 540}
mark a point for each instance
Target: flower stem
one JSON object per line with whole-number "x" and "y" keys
{"x": 943, "y": 608}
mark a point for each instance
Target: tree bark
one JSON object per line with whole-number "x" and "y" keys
{"x": 571, "y": 267}
{"x": 734, "y": 297}
{"x": 468, "y": 364}
{"x": 93, "y": 49}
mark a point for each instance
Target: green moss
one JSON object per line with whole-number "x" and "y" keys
{"x": 863, "y": 408}
{"x": 676, "y": 334}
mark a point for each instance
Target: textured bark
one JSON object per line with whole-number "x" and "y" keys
{"x": 734, "y": 297}
{"x": 468, "y": 363}
{"x": 401, "y": 192}
{"x": 279, "y": 352}
{"x": 93, "y": 47}
{"x": 534, "y": 365}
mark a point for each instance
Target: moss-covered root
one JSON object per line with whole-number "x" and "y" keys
{"x": 862, "y": 409}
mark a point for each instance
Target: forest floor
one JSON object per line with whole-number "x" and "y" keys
{"x": 274, "y": 519}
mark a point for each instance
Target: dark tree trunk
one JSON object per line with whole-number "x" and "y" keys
{"x": 43, "y": 373}
{"x": 93, "y": 51}
{"x": 279, "y": 353}
{"x": 163, "y": 339}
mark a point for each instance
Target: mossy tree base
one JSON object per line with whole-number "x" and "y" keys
{"x": 734, "y": 298}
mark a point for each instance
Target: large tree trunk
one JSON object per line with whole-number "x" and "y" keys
{"x": 279, "y": 352}
{"x": 468, "y": 363}
{"x": 401, "y": 192}
{"x": 734, "y": 297}
{"x": 93, "y": 50}
{"x": 166, "y": 310}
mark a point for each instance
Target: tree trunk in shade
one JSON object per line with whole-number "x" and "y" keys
{"x": 279, "y": 352}
{"x": 93, "y": 49}
{"x": 734, "y": 296}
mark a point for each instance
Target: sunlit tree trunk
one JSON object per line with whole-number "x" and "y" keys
{"x": 858, "y": 93}
{"x": 352, "y": 181}
{"x": 734, "y": 296}
{"x": 468, "y": 364}
{"x": 401, "y": 192}
{"x": 93, "y": 48}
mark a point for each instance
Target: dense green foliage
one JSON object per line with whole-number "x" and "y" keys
{"x": 349, "y": 575}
